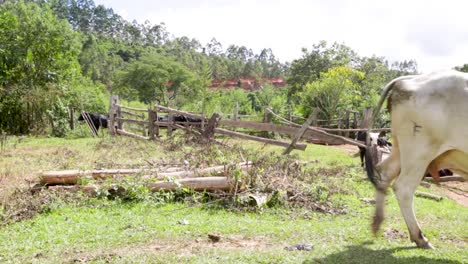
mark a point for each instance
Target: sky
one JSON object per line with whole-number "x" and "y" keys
{"x": 432, "y": 32}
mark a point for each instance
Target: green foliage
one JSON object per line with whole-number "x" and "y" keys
{"x": 463, "y": 68}
{"x": 337, "y": 90}
{"x": 157, "y": 77}
{"x": 313, "y": 63}
{"x": 39, "y": 70}
{"x": 36, "y": 47}
{"x": 59, "y": 119}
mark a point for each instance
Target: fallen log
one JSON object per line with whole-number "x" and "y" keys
{"x": 429, "y": 196}
{"x": 260, "y": 139}
{"x": 446, "y": 179}
{"x": 72, "y": 176}
{"x": 197, "y": 184}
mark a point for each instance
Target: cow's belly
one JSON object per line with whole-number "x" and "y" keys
{"x": 454, "y": 160}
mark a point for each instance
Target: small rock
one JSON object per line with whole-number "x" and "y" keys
{"x": 302, "y": 246}
{"x": 183, "y": 222}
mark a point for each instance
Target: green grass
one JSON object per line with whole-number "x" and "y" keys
{"x": 103, "y": 231}
{"x": 129, "y": 231}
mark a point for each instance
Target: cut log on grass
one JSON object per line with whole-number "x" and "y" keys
{"x": 72, "y": 176}
{"x": 260, "y": 139}
{"x": 428, "y": 196}
{"x": 446, "y": 179}
{"x": 197, "y": 172}
{"x": 197, "y": 184}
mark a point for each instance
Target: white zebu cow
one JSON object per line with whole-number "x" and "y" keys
{"x": 429, "y": 115}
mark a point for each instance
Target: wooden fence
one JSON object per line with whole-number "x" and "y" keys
{"x": 150, "y": 122}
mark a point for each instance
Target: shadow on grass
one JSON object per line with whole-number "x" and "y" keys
{"x": 361, "y": 254}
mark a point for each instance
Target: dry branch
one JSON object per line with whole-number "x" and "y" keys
{"x": 260, "y": 139}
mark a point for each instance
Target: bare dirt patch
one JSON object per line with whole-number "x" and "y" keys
{"x": 457, "y": 191}
{"x": 179, "y": 247}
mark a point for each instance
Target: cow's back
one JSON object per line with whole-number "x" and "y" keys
{"x": 434, "y": 106}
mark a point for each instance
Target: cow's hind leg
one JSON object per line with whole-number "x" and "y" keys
{"x": 388, "y": 171}
{"x": 404, "y": 188}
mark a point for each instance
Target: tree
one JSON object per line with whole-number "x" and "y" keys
{"x": 337, "y": 90}
{"x": 156, "y": 77}
{"x": 38, "y": 61}
{"x": 308, "y": 68}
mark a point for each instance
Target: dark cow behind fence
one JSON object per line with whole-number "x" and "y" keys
{"x": 98, "y": 120}
{"x": 180, "y": 118}
{"x": 376, "y": 138}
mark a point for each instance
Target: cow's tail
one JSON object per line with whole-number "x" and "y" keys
{"x": 369, "y": 150}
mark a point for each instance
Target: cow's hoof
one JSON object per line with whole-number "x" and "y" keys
{"x": 425, "y": 245}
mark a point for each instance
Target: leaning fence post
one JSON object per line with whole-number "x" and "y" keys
{"x": 301, "y": 131}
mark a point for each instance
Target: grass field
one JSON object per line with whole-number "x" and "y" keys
{"x": 174, "y": 228}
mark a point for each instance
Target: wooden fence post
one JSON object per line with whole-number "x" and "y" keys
{"x": 355, "y": 120}
{"x": 152, "y": 117}
{"x": 366, "y": 118}
{"x": 72, "y": 117}
{"x": 114, "y": 99}
{"x": 170, "y": 121}
{"x": 236, "y": 111}
{"x": 347, "y": 115}
{"x": 119, "y": 115}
